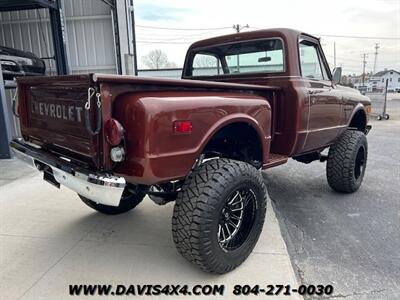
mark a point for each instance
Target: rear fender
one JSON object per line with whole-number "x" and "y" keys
{"x": 154, "y": 153}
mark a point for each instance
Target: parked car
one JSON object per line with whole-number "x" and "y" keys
{"x": 16, "y": 63}
{"x": 363, "y": 89}
{"x": 265, "y": 96}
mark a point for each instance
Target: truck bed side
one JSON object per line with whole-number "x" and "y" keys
{"x": 156, "y": 153}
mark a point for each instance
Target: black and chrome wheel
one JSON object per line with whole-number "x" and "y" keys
{"x": 219, "y": 214}
{"x": 347, "y": 160}
{"x": 237, "y": 219}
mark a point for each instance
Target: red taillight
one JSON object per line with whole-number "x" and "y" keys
{"x": 114, "y": 132}
{"x": 182, "y": 127}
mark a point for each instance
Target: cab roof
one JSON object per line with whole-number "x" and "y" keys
{"x": 285, "y": 33}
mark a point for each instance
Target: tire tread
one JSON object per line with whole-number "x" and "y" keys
{"x": 195, "y": 204}
{"x": 340, "y": 165}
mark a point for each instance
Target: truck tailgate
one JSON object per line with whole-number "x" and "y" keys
{"x": 53, "y": 115}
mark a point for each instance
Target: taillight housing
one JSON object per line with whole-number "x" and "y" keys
{"x": 114, "y": 132}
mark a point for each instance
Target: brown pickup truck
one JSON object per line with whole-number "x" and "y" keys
{"x": 247, "y": 102}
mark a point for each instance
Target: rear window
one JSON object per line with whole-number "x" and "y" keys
{"x": 262, "y": 56}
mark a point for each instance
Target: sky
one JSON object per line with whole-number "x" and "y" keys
{"x": 196, "y": 20}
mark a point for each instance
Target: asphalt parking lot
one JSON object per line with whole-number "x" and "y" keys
{"x": 349, "y": 241}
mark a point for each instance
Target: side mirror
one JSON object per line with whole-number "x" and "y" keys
{"x": 336, "y": 75}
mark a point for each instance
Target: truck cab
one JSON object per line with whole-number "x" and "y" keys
{"x": 313, "y": 108}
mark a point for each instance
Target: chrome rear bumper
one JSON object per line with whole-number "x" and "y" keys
{"x": 101, "y": 188}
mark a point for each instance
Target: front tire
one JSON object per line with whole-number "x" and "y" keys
{"x": 128, "y": 201}
{"x": 219, "y": 214}
{"x": 347, "y": 160}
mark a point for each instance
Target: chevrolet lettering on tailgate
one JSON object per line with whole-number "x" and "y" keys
{"x": 57, "y": 111}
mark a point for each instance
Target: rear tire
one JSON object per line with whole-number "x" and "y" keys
{"x": 128, "y": 201}
{"x": 220, "y": 193}
{"x": 347, "y": 160}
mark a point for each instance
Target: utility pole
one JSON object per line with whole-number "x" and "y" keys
{"x": 376, "y": 56}
{"x": 364, "y": 56}
{"x": 334, "y": 54}
{"x": 238, "y": 28}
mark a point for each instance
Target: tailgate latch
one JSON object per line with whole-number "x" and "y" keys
{"x": 15, "y": 104}
{"x": 92, "y": 92}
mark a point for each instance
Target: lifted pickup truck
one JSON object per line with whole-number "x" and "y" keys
{"x": 247, "y": 102}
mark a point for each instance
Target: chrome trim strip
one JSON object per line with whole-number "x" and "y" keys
{"x": 103, "y": 189}
{"x": 107, "y": 193}
{"x": 25, "y": 158}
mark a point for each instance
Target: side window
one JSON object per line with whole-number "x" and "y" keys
{"x": 310, "y": 61}
{"x": 206, "y": 65}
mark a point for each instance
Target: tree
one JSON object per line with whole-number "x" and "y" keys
{"x": 157, "y": 59}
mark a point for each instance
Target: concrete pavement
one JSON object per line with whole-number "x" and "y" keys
{"x": 49, "y": 239}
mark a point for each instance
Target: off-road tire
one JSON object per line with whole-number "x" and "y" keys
{"x": 128, "y": 202}
{"x": 343, "y": 169}
{"x": 199, "y": 205}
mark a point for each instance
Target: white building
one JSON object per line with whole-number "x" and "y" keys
{"x": 377, "y": 82}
